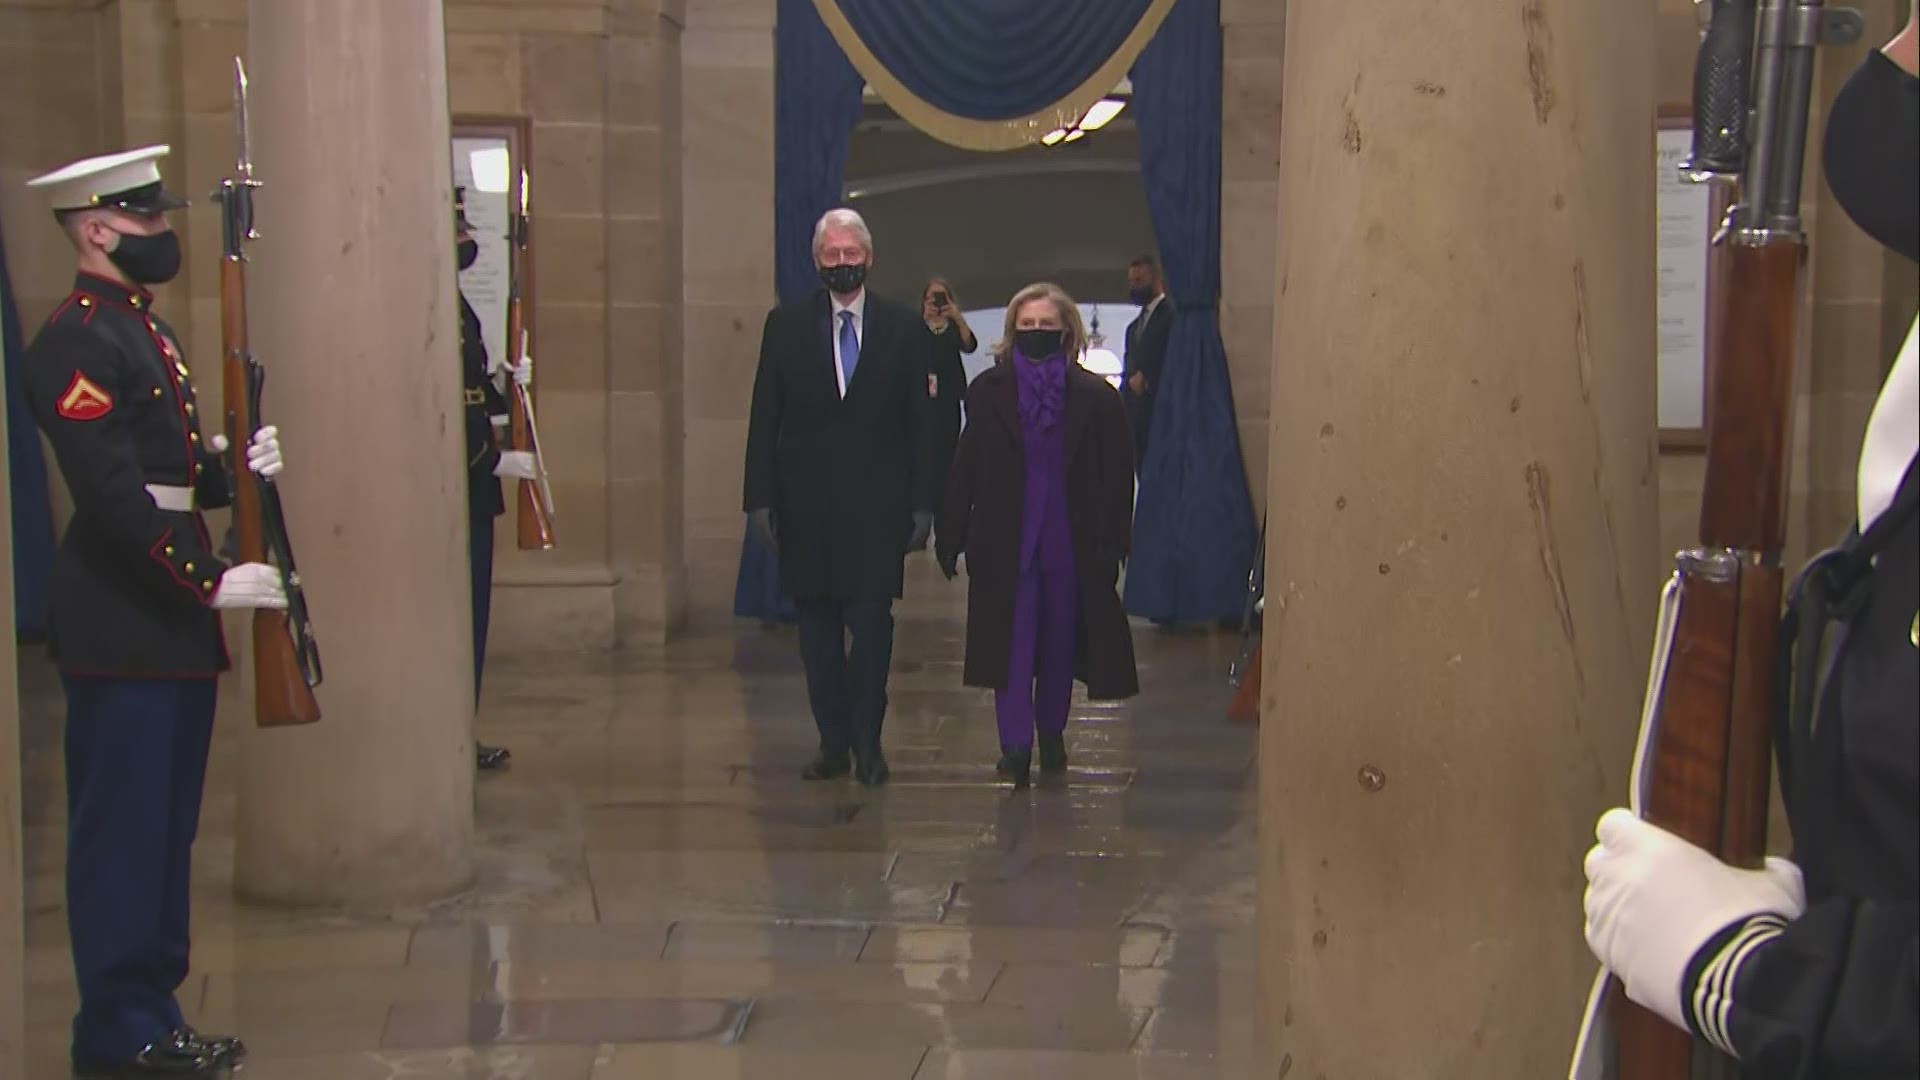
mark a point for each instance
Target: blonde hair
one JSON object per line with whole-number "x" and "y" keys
{"x": 1075, "y": 341}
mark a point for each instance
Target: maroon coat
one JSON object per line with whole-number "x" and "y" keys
{"x": 981, "y": 515}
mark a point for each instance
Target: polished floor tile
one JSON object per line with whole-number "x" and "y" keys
{"x": 660, "y": 896}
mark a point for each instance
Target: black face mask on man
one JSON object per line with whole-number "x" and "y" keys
{"x": 468, "y": 252}
{"x": 1872, "y": 153}
{"x": 1038, "y": 345}
{"x": 845, "y": 279}
{"x": 147, "y": 260}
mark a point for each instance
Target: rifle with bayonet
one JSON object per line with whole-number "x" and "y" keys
{"x": 1703, "y": 764}
{"x": 523, "y": 431}
{"x": 286, "y": 657}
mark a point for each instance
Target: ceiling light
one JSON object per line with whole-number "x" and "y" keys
{"x": 1053, "y": 137}
{"x": 1075, "y": 135}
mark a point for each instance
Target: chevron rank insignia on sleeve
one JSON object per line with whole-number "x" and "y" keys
{"x": 83, "y": 399}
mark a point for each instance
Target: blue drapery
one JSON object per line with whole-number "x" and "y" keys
{"x": 1193, "y": 533}
{"x": 992, "y": 59}
{"x": 816, "y": 104}
{"x": 27, "y": 475}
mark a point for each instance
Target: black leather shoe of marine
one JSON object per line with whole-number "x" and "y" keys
{"x": 160, "y": 1059}
{"x": 491, "y": 758}
{"x": 226, "y": 1049}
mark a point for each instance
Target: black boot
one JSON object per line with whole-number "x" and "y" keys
{"x": 1053, "y": 755}
{"x": 1016, "y": 763}
{"x": 491, "y": 758}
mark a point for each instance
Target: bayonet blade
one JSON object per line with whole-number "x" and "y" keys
{"x": 241, "y": 121}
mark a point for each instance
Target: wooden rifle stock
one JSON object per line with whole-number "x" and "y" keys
{"x": 1704, "y": 771}
{"x": 535, "y": 524}
{"x": 285, "y": 656}
{"x": 535, "y": 521}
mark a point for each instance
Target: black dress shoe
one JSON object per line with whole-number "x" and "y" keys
{"x": 167, "y": 1058}
{"x": 872, "y": 770}
{"x": 226, "y": 1049}
{"x": 827, "y": 768}
{"x": 491, "y": 758}
{"x": 1053, "y": 755}
{"x": 1016, "y": 764}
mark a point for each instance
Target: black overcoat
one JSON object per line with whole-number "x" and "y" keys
{"x": 986, "y": 500}
{"x": 842, "y": 476}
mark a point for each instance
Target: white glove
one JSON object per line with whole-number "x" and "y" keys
{"x": 517, "y": 465}
{"x": 523, "y": 372}
{"x": 263, "y": 454}
{"x": 250, "y": 585}
{"x": 217, "y": 443}
{"x": 1653, "y": 900}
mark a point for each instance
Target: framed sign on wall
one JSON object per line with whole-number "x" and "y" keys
{"x": 1688, "y": 215}
{"x": 490, "y": 161}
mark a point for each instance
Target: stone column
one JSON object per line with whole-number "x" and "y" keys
{"x": 1460, "y": 601}
{"x": 353, "y": 311}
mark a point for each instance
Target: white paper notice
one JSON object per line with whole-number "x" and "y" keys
{"x": 485, "y": 283}
{"x": 1686, "y": 229}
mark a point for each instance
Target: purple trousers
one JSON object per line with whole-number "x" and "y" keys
{"x": 1046, "y": 615}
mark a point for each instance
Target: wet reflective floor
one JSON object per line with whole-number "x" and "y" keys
{"x": 660, "y": 896}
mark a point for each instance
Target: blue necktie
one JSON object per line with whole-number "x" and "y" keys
{"x": 849, "y": 347}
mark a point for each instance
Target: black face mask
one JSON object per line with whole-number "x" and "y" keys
{"x": 1872, "y": 153}
{"x": 468, "y": 251}
{"x": 844, "y": 279}
{"x": 147, "y": 260}
{"x": 1141, "y": 295}
{"x": 1038, "y": 345}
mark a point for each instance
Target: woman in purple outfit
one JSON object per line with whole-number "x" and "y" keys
{"x": 1040, "y": 499}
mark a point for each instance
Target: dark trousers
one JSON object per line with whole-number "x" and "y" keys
{"x": 481, "y": 562}
{"x": 847, "y": 687}
{"x": 136, "y": 763}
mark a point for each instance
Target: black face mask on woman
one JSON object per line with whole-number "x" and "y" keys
{"x": 148, "y": 260}
{"x": 1038, "y": 345}
{"x": 467, "y": 252}
{"x": 1872, "y": 153}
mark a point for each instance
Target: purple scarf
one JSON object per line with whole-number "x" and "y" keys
{"x": 1043, "y": 391}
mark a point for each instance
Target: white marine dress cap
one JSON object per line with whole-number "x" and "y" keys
{"x": 129, "y": 181}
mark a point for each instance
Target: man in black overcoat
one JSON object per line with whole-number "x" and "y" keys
{"x": 840, "y": 482}
{"x": 1147, "y": 337}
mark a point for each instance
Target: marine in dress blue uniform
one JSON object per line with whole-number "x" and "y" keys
{"x": 134, "y": 627}
{"x": 1810, "y": 968}
{"x": 486, "y": 417}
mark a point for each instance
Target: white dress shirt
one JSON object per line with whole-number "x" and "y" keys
{"x": 1893, "y": 433}
{"x": 859, "y": 309}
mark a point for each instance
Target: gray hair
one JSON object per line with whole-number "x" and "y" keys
{"x": 843, "y": 218}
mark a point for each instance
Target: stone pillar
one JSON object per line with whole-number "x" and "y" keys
{"x": 353, "y": 311}
{"x": 1463, "y": 449}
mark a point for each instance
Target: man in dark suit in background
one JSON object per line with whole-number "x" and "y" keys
{"x": 1146, "y": 349}
{"x": 840, "y": 482}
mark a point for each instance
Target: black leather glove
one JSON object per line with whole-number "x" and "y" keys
{"x": 764, "y": 529}
{"x": 922, "y": 531}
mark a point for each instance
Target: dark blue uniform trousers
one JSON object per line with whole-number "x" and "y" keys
{"x": 481, "y": 565}
{"x": 136, "y": 764}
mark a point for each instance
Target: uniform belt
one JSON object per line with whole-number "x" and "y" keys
{"x": 167, "y": 497}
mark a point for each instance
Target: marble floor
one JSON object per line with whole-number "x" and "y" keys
{"x": 661, "y": 897}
